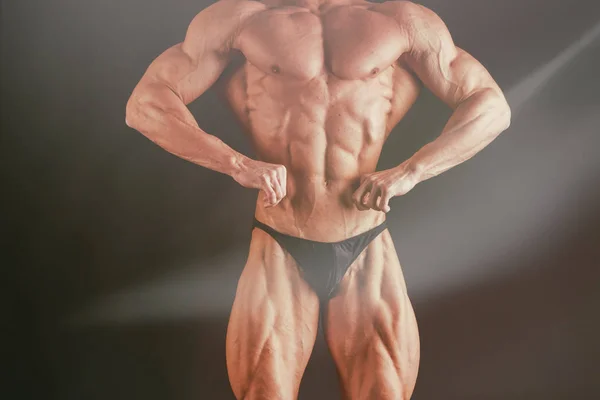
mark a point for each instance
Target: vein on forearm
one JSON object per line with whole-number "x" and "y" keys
{"x": 475, "y": 123}
{"x": 175, "y": 129}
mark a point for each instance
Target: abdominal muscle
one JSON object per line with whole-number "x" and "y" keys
{"x": 320, "y": 210}
{"x": 321, "y": 178}
{"x": 327, "y": 133}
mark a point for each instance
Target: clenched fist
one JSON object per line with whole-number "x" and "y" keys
{"x": 376, "y": 189}
{"x": 270, "y": 178}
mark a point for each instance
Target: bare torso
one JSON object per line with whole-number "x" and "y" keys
{"x": 318, "y": 92}
{"x": 319, "y": 89}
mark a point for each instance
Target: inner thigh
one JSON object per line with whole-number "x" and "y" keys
{"x": 273, "y": 325}
{"x": 371, "y": 327}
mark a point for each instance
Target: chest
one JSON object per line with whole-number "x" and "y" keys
{"x": 348, "y": 42}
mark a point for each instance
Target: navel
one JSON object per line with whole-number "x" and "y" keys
{"x": 275, "y": 69}
{"x": 375, "y": 71}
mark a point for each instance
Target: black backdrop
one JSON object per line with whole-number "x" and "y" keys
{"x": 121, "y": 260}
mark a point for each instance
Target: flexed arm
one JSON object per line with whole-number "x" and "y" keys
{"x": 158, "y": 105}
{"x": 480, "y": 114}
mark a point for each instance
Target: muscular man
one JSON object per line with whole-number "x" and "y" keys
{"x": 321, "y": 85}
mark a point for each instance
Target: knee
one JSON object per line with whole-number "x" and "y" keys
{"x": 381, "y": 376}
{"x": 385, "y": 388}
{"x": 252, "y": 391}
{"x": 258, "y": 391}
{"x": 261, "y": 386}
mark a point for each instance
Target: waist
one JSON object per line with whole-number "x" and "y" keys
{"x": 277, "y": 234}
{"x": 316, "y": 192}
{"x": 325, "y": 216}
{"x": 301, "y": 183}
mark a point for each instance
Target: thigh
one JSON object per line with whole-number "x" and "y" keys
{"x": 371, "y": 327}
{"x": 273, "y": 324}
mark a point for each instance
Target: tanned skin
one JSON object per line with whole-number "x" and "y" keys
{"x": 321, "y": 86}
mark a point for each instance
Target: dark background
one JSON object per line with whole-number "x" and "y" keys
{"x": 121, "y": 260}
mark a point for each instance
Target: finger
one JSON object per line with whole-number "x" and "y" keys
{"x": 276, "y": 184}
{"x": 360, "y": 191}
{"x": 269, "y": 190}
{"x": 357, "y": 198}
{"x": 365, "y": 181}
{"x": 364, "y": 202}
{"x": 359, "y": 194}
{"x": 283, "y": 180}
{"x": 383, "y": 203}
{"x": 374, "y": 195}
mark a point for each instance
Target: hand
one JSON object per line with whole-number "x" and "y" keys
{"x": 270, "y": 178}
{"x": 376, "y": 189}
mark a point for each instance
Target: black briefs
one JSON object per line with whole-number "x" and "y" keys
{"x": 323, "y": 265}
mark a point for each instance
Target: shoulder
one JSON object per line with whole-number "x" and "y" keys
{"x": 423, "y": 26}
{"x": 220, "y": 22}
{"x": 238, "y": 8}
{"x": 410, "y": 15}
{"x": 226, "y": 13}
{"x": 404, "y": 10}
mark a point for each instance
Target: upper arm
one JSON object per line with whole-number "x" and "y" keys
{"x": 189, "y": 68}
{"x": 449, "y": 72}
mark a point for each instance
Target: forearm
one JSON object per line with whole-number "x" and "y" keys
{"x": 162, "y": 117}
{"x": 475, "y": 123}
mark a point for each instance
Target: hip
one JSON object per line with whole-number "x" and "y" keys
{"x": 322, "y": 219}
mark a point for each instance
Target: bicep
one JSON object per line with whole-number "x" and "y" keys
{"x": 185, "y": 74}
{"x": 449, "y": 72}
{"x": 189, "y": 68}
